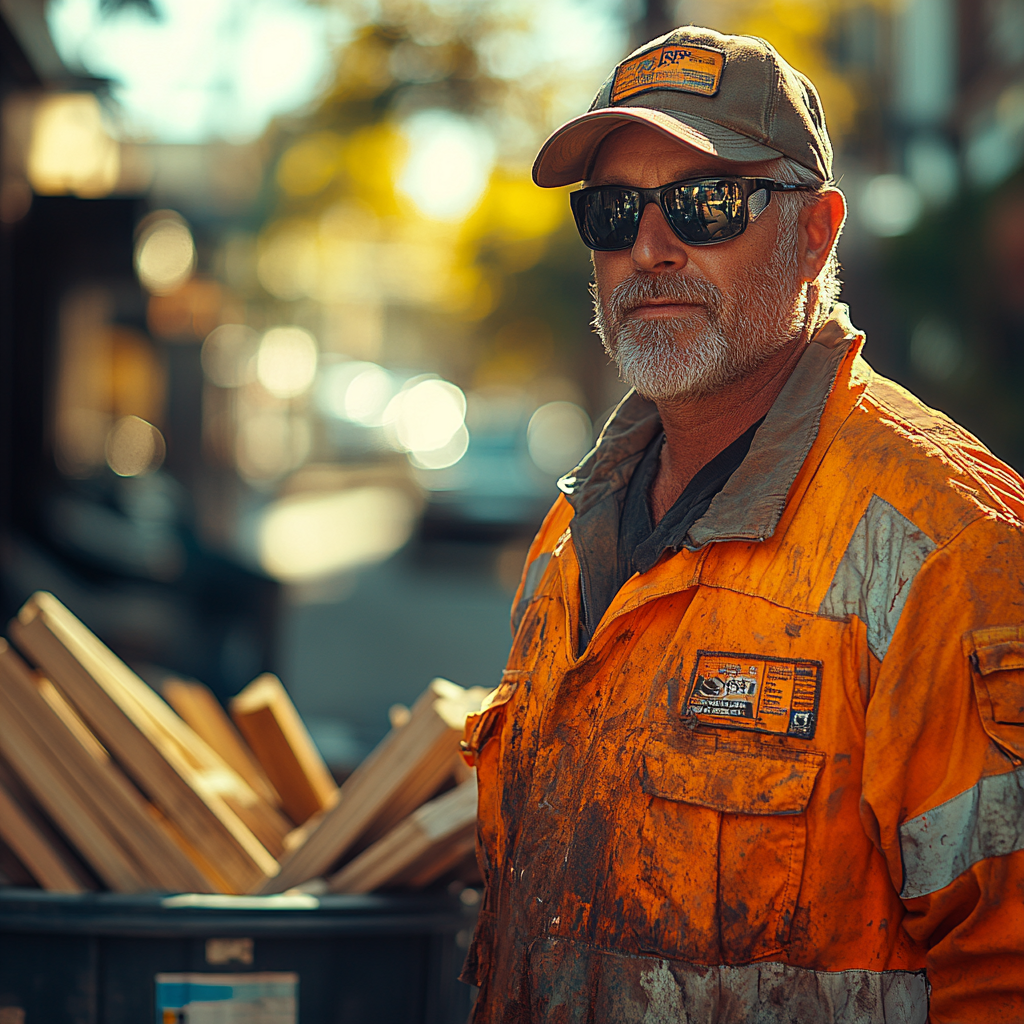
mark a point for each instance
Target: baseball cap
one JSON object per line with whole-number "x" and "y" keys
{"x": 729, "y": 96}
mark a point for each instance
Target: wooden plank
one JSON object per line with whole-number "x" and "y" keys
{"x": 114, "y": 803}
{"x": 10, "y": 780}
{"x": 64, "y": 800}
{"x": 167, "y": 732}
{"x": 420, "y": 848}
{"x": 407, "y": 767}
{"x": 201, "y": 710}
{"x": 123, "y": 712}
{"x": 458, "y": 852}
{"x": 73, "y": 720}
{"x": 266, "y": 717}
{"x": 12, "y": 871}
{"x": 37, "y": 849}
{"x": 438, "y": 770}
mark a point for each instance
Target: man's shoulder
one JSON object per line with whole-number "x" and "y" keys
{"x": 927, "y": 465}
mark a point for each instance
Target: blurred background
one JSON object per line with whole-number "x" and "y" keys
{"x": 292, "y": 351}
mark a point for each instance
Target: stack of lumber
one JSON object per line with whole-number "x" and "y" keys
{"x": 105, "y": 783}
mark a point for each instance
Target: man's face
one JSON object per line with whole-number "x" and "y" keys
{"x": 684, "y": 320}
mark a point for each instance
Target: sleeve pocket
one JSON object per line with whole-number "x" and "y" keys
{"x": 996, "y": 656}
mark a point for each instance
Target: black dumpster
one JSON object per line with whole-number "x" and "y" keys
{"x": 103, "y": 958}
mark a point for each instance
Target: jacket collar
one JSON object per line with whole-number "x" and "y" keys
{"x": 752, "y": 502}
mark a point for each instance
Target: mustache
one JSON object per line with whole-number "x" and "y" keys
{"x": 641, "y": 287}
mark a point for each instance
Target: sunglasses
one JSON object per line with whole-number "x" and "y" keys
{"x": 701, "y": 211}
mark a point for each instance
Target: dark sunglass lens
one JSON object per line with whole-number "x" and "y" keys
{"x": 607, "y": 217}
{"x": 711, "y": 211}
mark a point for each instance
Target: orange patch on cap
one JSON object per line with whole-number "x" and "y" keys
{"x": 696, "y": 69}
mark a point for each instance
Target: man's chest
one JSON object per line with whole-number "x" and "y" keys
{"x": 705, "y": 742}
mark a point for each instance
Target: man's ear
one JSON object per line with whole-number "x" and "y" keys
{"x": 819, "y": 226}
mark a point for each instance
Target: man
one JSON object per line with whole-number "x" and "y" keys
{"x": 757, "y": 753}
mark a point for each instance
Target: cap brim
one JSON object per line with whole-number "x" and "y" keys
{"x": 568, "y": 154}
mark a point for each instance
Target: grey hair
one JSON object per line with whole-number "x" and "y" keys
{"x": 787, "y": 170}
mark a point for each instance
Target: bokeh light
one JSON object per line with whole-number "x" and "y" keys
{"x": 305, "y": 536}
{"x": 228, "y": 355}
{"x": 447, "y": 455}
{"x": 270, "y": 442}
{"x": 286, "y": 361}
{"x": 70, "y": 149}
{"x": 426, "y": 416}
{"x": 357, "y": 391}
{"x": 558, "y": 436}
{"x": 890, "y": 205}
{"x": 450, "y": 159}
{"x": 165, "y": 254}
{"x": 134, "y": 447}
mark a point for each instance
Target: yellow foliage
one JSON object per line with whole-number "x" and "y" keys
{"x": 514, "y": 209}
{"x": 372, "y": 158}
{"x": 363, "y": 71}
{"x": 309, "y": 166}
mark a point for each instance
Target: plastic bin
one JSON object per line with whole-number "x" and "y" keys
{"x": 94, "y": 959}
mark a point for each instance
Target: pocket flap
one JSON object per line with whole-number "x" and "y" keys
{"x": 996, "y": 649}
{"x": 997, "y": 655}
{"x": 760, "y": 779}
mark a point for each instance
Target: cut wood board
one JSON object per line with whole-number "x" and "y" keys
{"x": 417, "y": 850}
{"x": 453, "y": 703}
{"x": 458, "y": 852}
{"x": 12, "y": 871}
{"x": 149, "y": 742}
{"x": 209, "y": 773}
{"x": 406, "y": 768}
{"x": 266, "y": 717}
{"x": 201, "y": 710}
{"x": 36, "y": 847}
{"x": 106, "y": 795}
{"x": 64, "y": 800}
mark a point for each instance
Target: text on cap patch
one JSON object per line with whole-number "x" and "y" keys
{"x": 672, "y": 66}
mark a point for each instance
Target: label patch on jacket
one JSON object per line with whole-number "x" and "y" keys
{"x": 752, "y": 691}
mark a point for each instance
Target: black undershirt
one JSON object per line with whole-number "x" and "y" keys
{"x": 641, "y": 543}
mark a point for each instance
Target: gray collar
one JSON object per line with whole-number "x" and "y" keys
{"x": 751, "y": 503}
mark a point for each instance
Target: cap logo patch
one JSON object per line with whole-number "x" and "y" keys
{"x": 672, "y": 66}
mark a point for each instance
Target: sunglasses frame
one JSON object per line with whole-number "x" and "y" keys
{"x": 656, "y": 196}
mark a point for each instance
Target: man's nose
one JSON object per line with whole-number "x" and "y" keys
{"x": 657, "y": 249}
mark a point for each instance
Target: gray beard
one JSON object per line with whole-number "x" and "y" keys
{"x": 764, "y": 313}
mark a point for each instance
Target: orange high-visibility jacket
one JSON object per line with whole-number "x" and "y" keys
{"x": 783, "y": 781}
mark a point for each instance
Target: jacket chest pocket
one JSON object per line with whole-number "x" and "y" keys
{"x": 724, "y": 843}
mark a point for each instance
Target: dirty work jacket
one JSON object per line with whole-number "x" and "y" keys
{"x": 783, "y": 781}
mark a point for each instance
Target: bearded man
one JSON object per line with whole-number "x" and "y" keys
{"x": 756, "y": 756}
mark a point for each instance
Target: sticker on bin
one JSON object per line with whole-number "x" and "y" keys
{"x": 227, "y": 998}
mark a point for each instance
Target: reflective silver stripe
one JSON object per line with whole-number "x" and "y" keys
{"x": 534, "y": 574}
{"x": 877, "y": 571}
{"x": 779, "y": 994}
{"x": 941, "y": 844}
{"x": 576, "y": 984}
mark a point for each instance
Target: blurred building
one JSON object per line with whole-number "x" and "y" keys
{"x": 91, "y": 397}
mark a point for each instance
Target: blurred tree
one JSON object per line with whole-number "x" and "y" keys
{"x": 494, "y": 292}
{"x": 428, "y": 95}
